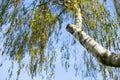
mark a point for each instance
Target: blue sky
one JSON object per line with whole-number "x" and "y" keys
{"x": 60, "y": 72}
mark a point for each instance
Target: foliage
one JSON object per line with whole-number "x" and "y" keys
{"x": 32, "y": 25}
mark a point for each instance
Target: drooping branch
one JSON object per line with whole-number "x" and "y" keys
{"x": 117, "y": 6}
{"x": 102, "y": 54}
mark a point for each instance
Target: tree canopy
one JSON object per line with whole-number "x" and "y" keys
{"x": 33, "y": 28}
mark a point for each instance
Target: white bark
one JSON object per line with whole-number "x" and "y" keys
{"x": 102, "y": 54}
{"x": 78, "y": 17}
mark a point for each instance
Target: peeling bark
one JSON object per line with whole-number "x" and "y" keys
{"x": 102, "y": 54}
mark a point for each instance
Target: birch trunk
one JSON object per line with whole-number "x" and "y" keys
{"x": 102, "y": 54}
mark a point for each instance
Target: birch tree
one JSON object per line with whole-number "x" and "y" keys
{"x": 103, "y": 55}
{"x": 31, "y": 28}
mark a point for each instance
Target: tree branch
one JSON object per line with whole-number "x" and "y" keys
{"x": 117, "y": 6}
{"x": 102, "y": 54}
